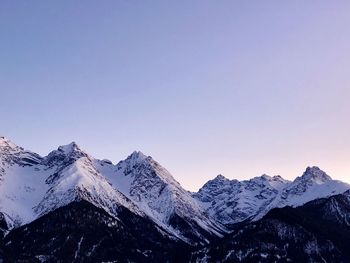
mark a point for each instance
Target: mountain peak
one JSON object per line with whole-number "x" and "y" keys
{"x": 69, "y": 148}
{"x": 220, "y": 177}
{"x": 5, "y": 142}
{"x": 137, "y": 155}
{"x": 261, "y": 178}
{"x": 266, "y": 177}
{"x": 67, "y": 152}
{"x": 144, "y": 164}
{"x": 315, "y": 174}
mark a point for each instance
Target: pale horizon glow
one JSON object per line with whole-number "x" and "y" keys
{"x": 235, "y": 88}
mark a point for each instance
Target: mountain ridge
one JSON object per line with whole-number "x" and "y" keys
{"x": 39, "y": 194}
{"x": 70, "y": 174}
{"x": 33, "y": 185}
{"x": 233, "y": 201}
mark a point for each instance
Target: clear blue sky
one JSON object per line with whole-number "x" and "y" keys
{"x": 205, "y": 87}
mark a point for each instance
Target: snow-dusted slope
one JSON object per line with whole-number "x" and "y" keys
{"x": 313, "y": 184}
{"x": 31, "y": 186}
{"x": 158, "y": 194}
{"x": 22, "y": 182}
{"x": 76, "y": 178}
{"x": 232, "y": 201}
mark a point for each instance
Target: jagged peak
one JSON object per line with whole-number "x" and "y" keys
{"x": 218, "y": 180}
{"x": 280, "y": 179}
{"x": 148, "y": 165}
{"x": 315, "y": 174}
{"x": 266, "y": 177}
{"x": 71, "y": 151}
{"x": 137, "y": 155}
{"x": 8, "y": 147}
{"x": 69, "y": 148}
{"x": 220, "y": 177}
{"x": 263, "y": 177}
{"x": 274, "y": 178}
{"x": 276, "y": 181}
{"x": 5, "y": 142}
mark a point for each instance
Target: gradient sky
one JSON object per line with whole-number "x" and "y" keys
{"x": 240, "y": 88}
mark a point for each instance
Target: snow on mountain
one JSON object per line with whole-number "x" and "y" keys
{"x": 22, "y": 183}
{"x": 232, "y": 201}
{"x": 75, "y": 178}
{"x": 31, "y": 186}
{"x": 11, "y": 154}
{"x": 157, "y": 193}
{"x": 313, "y": 184}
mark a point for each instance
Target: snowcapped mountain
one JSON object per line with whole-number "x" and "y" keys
{"x": 32, "y": 186}
{"x": 61, "y": 199}
{"x": 75, "y": 178}
{"x": 232, "y": 201}
{"x": 313, "y": 184}
{"x": 161, "y": 197}
{"x": 11, "y": 154}
{"x": 22, "y": 183}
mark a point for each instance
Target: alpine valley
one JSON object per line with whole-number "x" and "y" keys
{"x": 71, "y": 207}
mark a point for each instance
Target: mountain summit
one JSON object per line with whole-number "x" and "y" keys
{"x": 316, "y": 175}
